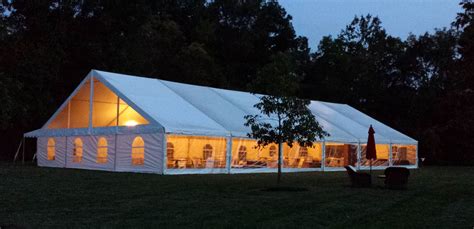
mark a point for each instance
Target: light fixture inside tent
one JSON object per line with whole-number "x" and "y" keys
{"x": 131, "y": 123}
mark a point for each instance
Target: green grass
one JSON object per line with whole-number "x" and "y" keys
{"x": 32, "y": 197}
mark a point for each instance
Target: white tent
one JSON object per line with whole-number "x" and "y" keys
{"x": 119, "y": 122}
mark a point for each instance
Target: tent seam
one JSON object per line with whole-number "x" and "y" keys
{"x": 360, "y": 124}
{"x": 204, "y": 113}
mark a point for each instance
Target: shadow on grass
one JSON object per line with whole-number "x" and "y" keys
{"x": 285, "y": 189}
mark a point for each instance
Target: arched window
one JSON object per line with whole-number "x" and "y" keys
{"x": 207, "y": 152}
{"x": 77, "y": 153}
{"x": 272, "y": 151}
{"x": 242, "y": 153}
{"x": 169, "y": 151}
{"x": 51, "y": 148}
{"x": 138, "y": 151}
{"x": 102, "y": 148}
{"x": 303, "y": 152}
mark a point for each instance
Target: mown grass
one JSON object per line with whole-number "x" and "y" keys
{"x": 33, "y": 197}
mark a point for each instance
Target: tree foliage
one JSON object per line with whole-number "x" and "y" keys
{"x": 422, "y": 85}
{"x": 284, "y": 120}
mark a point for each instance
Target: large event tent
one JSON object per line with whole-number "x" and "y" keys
{"x": 119, "y": 122}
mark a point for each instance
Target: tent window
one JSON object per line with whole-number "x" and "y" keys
{"x": 138, "y": 151}
{"x": 78, "y": 148}
{"x": 170, "y": 151}
{"x": 340, "y": 154}
{"x": 303, "y": 152}
{"x": 403, "y": 154}
{"x": 242, "y": 153}
{"x": 51, "y": 149}
{"x": 102, "y": 150}
{"x": 272, "y": 151}
{"x": 207, "y": 152}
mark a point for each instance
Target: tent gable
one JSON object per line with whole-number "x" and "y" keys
{"x": 94, "y": 104}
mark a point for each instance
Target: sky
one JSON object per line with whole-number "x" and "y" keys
{"x": 317, "y": 18}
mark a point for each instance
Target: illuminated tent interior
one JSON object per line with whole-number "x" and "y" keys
{"x": 118, "y": 122}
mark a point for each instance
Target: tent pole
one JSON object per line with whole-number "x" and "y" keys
{"x": 164, "y": 153}
{"x": 323, "y": 159}
{"x": 65, "y": 154}
{"x": 416, "y": 152}
{"x": 23, "y": 153}
{"x": 115, "y": 151}
{"x": 17, "y": 151}
{"x": 229, "y": 154}
{"x": 390, "y": 156}
{"x": 359, "y": 157}
{"x": 91, "y": 104}
{"x": 116, "y": 131}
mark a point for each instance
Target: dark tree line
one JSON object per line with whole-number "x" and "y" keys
{"x": 422, "y": 86}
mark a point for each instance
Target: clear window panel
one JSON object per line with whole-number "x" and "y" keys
{"x": 340, "y": 154}
{"x": 302, "y": 157}
{"x": 195, "y": 152}
{"x": 102, "y": 148}
{"x": 51, "y": 150}
{"x": 76, "y": 113}
{"x": 129, "y": 117}
{"x": 404, "y": 154}
{"x": 383, "y": 152}
{"x": 77, "y": 151}
{"x": 61, "y": 120}
{"x": 104, "y": 106}
{"x": 247, "y": 155}
{"x": 79, "y": 108}
{"x": 138, "y": 151}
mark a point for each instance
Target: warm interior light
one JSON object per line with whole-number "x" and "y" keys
{"x": 131, "y": 123}
{"x": 334, "y": 144}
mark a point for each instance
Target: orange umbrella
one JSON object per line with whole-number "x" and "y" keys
{"x": 371, "y": 153}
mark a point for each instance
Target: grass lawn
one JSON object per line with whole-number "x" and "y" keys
{"x": 437, "y": 197}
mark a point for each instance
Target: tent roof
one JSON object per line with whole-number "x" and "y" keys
{"x": 198, "y": 110}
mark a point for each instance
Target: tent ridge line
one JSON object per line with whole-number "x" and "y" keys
{"x": 227, "y": 100}
{"x": 378, "y": 122}
{"x": 345, "y": 116}
{"x": 338, "y": 127}
{"x": 383, "y": 124}
{"x": 188, "y": 102}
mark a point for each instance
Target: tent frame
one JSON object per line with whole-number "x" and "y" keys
{"x": 90, "y": 78}
{"x": 155, "y": 127}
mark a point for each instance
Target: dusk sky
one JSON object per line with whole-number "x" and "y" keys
{"x": 317, "y": 18}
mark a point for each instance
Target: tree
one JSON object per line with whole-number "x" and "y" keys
{"x": 284, "y": 118}
{"x": 457, "y": 107}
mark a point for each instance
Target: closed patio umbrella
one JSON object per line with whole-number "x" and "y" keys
{"x": 371, "y": 153}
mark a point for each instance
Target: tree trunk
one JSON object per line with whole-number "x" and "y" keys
{"x": 280, "y": 156}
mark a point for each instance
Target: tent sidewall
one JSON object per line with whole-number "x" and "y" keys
{"x": 119, "y": 148}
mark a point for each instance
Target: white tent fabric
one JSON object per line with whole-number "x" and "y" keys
{"x": 197, "y": 110}
{"x": 162, "y": 104}
{"x": 119, "y": 149}
{"x": 190, "y": 118}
